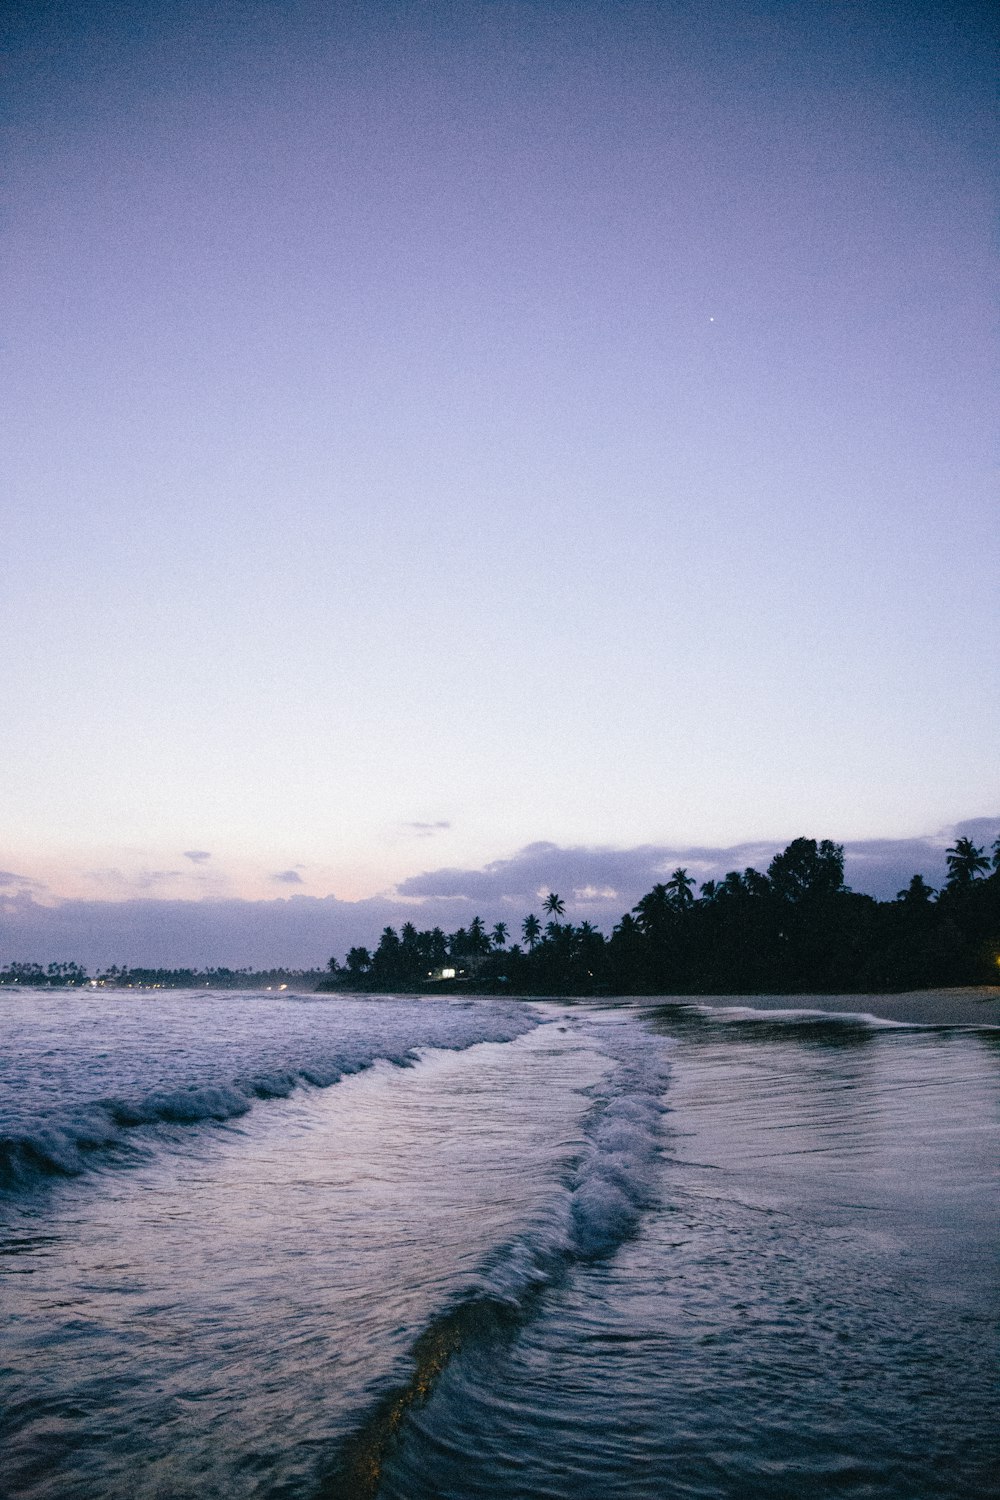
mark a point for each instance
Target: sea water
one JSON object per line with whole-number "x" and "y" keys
{"x": 263, "y": 1246}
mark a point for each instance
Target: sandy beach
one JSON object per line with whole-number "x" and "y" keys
{"x": 978, "y": 1006}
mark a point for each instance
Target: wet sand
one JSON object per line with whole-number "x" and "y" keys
{"x": 978, "y": 1006}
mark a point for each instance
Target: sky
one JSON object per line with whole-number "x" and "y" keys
{"x": 435, "y": 433}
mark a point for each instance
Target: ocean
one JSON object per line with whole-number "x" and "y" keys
{"x": 319, "y": 1247}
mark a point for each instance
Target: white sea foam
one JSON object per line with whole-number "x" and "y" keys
{"x": 615, "y": 1179}
{"x": 806, "y": 1016}
{"x": 613, "y": 1182}
{"x": 83, "y": 1075}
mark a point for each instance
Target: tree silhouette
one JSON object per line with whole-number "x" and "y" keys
{"x": 627, "y": 948}
{"x": 806, "y": 870}
{"x": 917, "y": 893}
{"x": 653, "y": 911}
{"x": 680, "y": 885}
{"x": 965, "y": 862}
{"x": 531, "y": 927}
{"x": 499, "y": 935}
{"x": 554, "y": 905}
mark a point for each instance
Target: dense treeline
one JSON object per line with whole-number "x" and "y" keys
{"x": 61, "y": 976}
{"x": 797, "y": 928}
{"x": 55, "y": 976}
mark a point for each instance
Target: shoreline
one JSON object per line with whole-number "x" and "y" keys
{"x": 973, "y": 1006}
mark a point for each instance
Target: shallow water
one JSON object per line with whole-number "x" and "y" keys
{"x": 492, "y": 1249}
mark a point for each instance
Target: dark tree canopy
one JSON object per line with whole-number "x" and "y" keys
{"x": 807, "y": 871}
{"x": 965, "y": 862}
{"x": 795, "y": 929}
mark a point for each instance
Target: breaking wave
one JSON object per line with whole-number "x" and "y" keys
{"x": 67, "y": 1147}
{"x": 596, "y": 1210}
{"x": 58, "y": 1131}
{"x": 614, "y": 1180}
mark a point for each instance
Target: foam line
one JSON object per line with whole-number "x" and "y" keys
{"x": 591, "y": 1215}
{"x": 101, "y": 1130}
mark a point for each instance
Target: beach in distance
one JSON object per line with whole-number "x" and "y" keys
{"x": 971, "y": 1005}
{"x": 977, "y": 1005}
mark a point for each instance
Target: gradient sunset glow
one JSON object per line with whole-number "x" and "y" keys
{"x": 434, "y": 431}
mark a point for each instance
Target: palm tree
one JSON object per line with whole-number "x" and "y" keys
{"x": 477, "y": 936}
{"x": 653, "y": 910}
{"x": 554, "y": 905}
{"x": 532, "y": 929}
{"x": 680, "y": 885}
{"x": 359, "y": 960}
{"x": 499, "y": 935}
{"x": 965, "y": 862}
{"x": 917, "y": 893}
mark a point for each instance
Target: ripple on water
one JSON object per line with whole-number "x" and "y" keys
{"x": 504, "y": 1272}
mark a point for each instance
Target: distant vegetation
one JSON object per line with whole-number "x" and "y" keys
{"x": 62, "y": 976}
{"x": 795, "y": 929}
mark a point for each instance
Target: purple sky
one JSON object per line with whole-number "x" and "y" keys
{"x": 435, "y": 430}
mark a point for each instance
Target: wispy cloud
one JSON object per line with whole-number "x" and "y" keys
{"x": 584, "y": 893}
{"x": 135, "y": 880}
{"x": 287, "y": 877}
{"x": 197, "y": 856}
{"x": 427, "y": 830}
{"x": 543, "y": 866}
{"x": 11, "y": 882}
